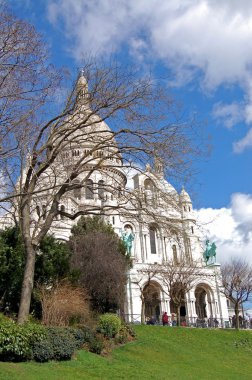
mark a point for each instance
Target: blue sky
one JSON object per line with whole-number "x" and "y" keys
{"x": 204, "y": 48}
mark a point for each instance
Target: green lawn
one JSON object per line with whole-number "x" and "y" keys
{"x": 158, "y": 353}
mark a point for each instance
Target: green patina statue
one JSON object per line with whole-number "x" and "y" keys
{"x": 210, "y": 252}
{"x": 128, "y": 237}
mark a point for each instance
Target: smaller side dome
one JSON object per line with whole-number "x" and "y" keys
{"x": 185, "y": 197}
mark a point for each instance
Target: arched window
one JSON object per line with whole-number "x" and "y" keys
{"x": 148, "y": 185}
{"x": 175, "y": 254}
{"x": 152, "y": 232}
{"x": 38, "y": 211}
{"x": 77, "y": 190}
{"x": 63, "y": 209}
{"x": 89, "y": 189}
{"x": 101, "y": 189}
{"x": 188, "y": 249}
{"x": 44, "y": 211}
{"x": 150, "y": 192}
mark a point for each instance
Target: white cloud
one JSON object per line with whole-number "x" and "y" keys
{"x": 245, "y": 142}
{"x": 230, "y": 228}
{"x": 208, "y": 37}
{"x": 228, "y": 114}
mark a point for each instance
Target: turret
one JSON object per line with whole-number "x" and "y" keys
{"x": 186, "y": 203}
{"x": 158, "y": 168}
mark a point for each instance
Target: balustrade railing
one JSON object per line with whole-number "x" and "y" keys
{"x": 191, "y": 322}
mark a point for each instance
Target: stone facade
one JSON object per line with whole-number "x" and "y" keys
{"x": 164, "y": 229}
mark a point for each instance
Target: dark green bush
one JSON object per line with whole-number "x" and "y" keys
{"x": 79, "y": 336}
{"x": 58, "y": 344}
{"x": 43, "y": 350}
{"x": 16, "y": 341}
{"x": 33, "y": 341}
{"x": 96, "y": 345}
{"x": 88, "y": 333}
{"x": 109, "y": 325}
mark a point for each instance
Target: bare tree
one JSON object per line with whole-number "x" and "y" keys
{"x": 237, "y": 283}
{"x": 26, "y": 80}
{"x": 178, "y": 278}
{"x": 68, "y": 149}
{"x": 54, "y": 158}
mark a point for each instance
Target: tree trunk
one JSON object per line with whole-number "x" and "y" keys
{"x": 142, "y": 311}
{"x": 178, "y": 315}
{"x": 27, "y": 285}
{"x": 237, "y": 316}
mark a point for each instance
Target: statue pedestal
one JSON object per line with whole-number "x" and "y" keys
{"x": 213, "y": 265}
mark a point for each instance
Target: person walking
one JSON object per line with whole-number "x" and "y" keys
{"x": 165, "y": 319}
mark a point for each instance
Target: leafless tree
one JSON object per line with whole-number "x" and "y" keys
{"x": 26, "y": 80}
{"x": 56, "y": 161}
{"x": 54, "y": 158}
{"x": 237, "y": 283}
{"x": 178, "y": 279}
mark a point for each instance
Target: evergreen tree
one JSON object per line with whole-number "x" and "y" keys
{"x": 52, "y": 264}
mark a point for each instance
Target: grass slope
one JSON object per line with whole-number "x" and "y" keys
{"x": 161, "y": 353}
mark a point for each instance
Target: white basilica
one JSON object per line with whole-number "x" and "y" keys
{"x": 150, "y": 242}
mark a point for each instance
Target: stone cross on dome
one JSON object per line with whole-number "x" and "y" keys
{"x": 81, "y": 73}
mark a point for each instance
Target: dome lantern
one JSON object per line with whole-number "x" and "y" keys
{"x": 81, "y": 89}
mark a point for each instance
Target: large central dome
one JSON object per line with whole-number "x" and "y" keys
{"x": 87, "y": 138}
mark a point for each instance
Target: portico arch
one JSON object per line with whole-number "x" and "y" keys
{"x": 203, "y": 301}
{"x": 178, "y": 304}
{"x": 152, "y": 300}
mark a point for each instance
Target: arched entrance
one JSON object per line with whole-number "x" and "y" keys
{"x": 178, "y": 305}
{"x": 203, "y": 303}
{"x": 152, "y": 301}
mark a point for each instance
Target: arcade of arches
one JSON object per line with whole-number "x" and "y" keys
{"x": 205, "y": 307}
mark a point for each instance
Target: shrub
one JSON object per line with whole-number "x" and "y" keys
{"x": 58, "y": 344}
{"x": 88, "y": 333}
{"x": 79, "y": 336}
{"x": 42, "y": 351}
{"x": 96, "y": 345}
{"x": 130, "y": 330}
{"x": 109, "y": 325}
{"x": 122, "y": 336}
{"x": 16, "y": 341}
{"x": 3, "y": 318}
{"x": 63, "y": 304}
{"x": 125, "y": 334}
